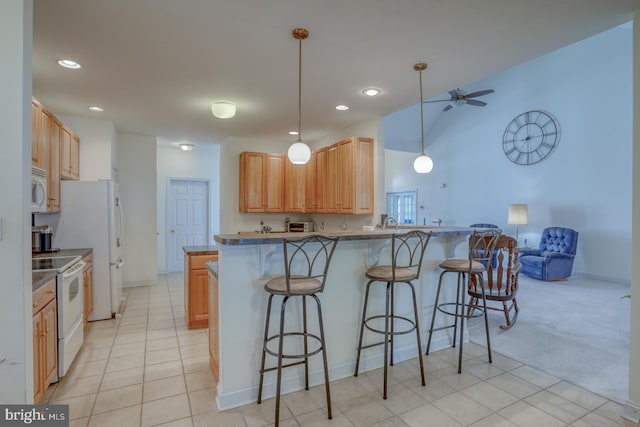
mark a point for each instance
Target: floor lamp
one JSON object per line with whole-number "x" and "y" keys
{"x": 518, "y": 215}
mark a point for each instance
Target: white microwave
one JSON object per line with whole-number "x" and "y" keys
{"x": 38, "y": 190}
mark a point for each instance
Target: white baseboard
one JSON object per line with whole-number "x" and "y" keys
{"x": 631, "y": 412}
{"x": 228, "y": 399}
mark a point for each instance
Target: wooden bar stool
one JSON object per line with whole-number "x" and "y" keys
{"x": 306, "y": 263}
{"x": 407, "y": 251}
{"x": 481, "y": 247}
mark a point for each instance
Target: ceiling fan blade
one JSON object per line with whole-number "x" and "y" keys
{"x": 437, "y": 100}
{"x": 479, "y": 93}
{"x": 447, "y": 108}
{"x": 476, "y": 102}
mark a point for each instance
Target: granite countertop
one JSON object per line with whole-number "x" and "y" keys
{"x": 200, "y": 250}
{"x": 270, "y": 238}
{"x": 41, "y": 278}
{"x": 213, "y": 268}
{"x": 82, "y": 252}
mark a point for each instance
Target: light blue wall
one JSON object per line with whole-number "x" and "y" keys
{"x": 585, "y": 184}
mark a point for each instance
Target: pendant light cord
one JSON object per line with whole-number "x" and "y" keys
{"x": 421, "y": 115}
{"x": 300, "y": 90}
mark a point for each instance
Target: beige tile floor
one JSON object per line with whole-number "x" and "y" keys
{"x": 148, "y": 369}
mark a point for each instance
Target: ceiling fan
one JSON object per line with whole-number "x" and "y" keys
{"x": 460, "y": 97}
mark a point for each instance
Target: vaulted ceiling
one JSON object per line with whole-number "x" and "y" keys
{"x": 155, "y": 66}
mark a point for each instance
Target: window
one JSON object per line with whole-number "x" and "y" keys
{"x": 403, "y": 205}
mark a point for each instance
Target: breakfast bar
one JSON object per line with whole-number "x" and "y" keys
{"x": 246, "y": 261}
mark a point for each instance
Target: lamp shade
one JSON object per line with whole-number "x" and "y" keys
{"x": 423, "y": 164}
{"x": 518, "y": 214}
{"x": 299, "y": 153}
{"x": 223, "y": 109}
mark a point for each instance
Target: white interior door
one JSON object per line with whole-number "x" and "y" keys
{"x": 187, "y": 219}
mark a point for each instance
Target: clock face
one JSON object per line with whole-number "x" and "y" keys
{"x": 530, "y": 137}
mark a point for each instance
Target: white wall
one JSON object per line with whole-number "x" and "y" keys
{"x": 584, "y": 184}
{"x": 97, "y": 146}
{"x": 137, "y": 177}
{"x": 16, "y": 344}
{"x": 202, "y": 162}
{"x": 632, "y": 408}
{"x": 231, "y": 221}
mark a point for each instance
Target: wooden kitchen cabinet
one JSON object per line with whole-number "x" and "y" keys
{"x": 69, "y": 155}
{"x": 45, "y": 339}
{"x": 87, "y": 282}
{"x": 295, "y": 187}
{"x": 214, "y": 343}
{"x": 261, "y": 182}
{"x": 38, "y": 153}
{"x": 196, "y": 289}
{"x": 310, "y": 203}
{"x": 53, "y": 172}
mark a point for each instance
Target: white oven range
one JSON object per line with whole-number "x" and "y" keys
{"x": 70, "y": 305}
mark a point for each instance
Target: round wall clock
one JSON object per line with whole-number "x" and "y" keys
{"x": 530, "y": 137}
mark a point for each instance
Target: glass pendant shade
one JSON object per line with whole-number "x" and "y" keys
{"x": 299, "y": 153}
{"x": 423, "y": 164}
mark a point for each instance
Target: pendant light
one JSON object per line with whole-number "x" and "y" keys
{"x": 299, "y": 153}
{"x": 422, "y": 164}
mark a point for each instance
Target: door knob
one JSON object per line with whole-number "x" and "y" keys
{"x": 173, "y": 231}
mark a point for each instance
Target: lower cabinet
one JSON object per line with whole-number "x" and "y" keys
{"x": 196, "y": 289}
{"x": 87, "y": 282}
{"x": 214, "y": 346}
{"x": 45, "y": 339}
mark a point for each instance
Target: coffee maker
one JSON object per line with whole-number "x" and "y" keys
{"x": 41, "y": 239}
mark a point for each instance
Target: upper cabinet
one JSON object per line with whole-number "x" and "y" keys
{"x": 337, "y": 179}
{"x": 69, "y": 155}
{"x": 55, "y": 149}
{"x": 261, "y": 182}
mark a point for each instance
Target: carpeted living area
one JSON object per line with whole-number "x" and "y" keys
{"x": 577, "y": 330}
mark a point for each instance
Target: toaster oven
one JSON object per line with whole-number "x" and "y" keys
{"x": 301, "y": 227}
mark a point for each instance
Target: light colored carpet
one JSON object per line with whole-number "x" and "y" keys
{"x": 577, "y": 330}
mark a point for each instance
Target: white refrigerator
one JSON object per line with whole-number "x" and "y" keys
{"x": 91, "y": 217}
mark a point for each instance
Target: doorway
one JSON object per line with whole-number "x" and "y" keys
{"x": 188, "y": 215}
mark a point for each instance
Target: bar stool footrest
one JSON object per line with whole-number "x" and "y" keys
{"x": 394, "y": 317}
{"x": 293, "y": 356}
{"x": 443, "y": 309}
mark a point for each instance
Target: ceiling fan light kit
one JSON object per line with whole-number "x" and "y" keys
{"x": 423, "y": 164}
{"x": 299, "y": 153}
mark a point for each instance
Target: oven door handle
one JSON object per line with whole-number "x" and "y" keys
{"x": 77, "y": 266}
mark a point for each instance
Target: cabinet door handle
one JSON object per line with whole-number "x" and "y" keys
{"x": 52, "y": 291}
{"x": 35, "y": 304}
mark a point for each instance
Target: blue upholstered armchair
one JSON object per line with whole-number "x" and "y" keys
{"x": 553, "y": 260}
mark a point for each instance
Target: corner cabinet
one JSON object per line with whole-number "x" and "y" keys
{"x": 45, "y": 339}
{"x": 261, "y": 182}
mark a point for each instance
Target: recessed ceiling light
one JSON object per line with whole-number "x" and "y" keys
{"x": 185, "y": 146}
{"x": 371, "y": 91}
{"x": 293, "y": 132}
{"x": 95, "y": 108}
{"x": 68, "y": 63}
{"x": 342, "y": 107}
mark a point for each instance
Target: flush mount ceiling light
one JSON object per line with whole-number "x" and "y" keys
{"x": 423, "y": 164}
{"x": 96, "y": 108}
{"x": 371, "y": 91}
{"x": 223, "y": 109}
{"x": 293, "y": 132}
{"x": 185, "y": 146}
{"x": 342, "y": 107}
{"x": 299, "y": 153}
{"x": 68, "y": 63}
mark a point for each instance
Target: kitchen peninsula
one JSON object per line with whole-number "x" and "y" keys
{"x": 246, "y": 261}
